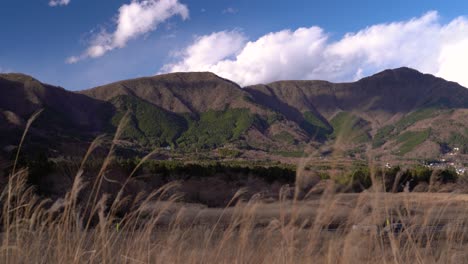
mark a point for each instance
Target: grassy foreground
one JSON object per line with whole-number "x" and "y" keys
{"x": 155, "y": 228}
{"x": 332, "y": 228}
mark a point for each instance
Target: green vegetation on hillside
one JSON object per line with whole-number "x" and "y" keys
{"x": 382, "y": 135}
{"x": 229, "y": 153}
{"x": 350, "y": 128}
{"x": 290, "y": 154}
{"x": 414, "y": 117}
{"x": 314, "y": 125}
{"x": 387, "y": 132}
{"x": 275, "y": 117}
{"x": 411, "y": 139}
{"x": 130, "y": 130}
{"x": 285, "y": 137}
{"x": 148, "y": 124}
{"x": 457, "y": 140}
{"x": 215, "y": 128}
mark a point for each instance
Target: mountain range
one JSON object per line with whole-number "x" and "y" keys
{"x": 398, "y": 114}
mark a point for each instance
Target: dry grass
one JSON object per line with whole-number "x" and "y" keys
{"x": 333, "y": 228}
{"x": 330, "y": 228}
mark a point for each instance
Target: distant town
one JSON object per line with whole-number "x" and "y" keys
{"x": 451, "y": 160}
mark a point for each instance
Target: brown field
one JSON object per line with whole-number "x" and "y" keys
{"x": 370, "y": 227}
{"x": 327, "y": 228}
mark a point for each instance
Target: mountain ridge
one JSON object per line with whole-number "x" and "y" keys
{"x": 205, "y": 111}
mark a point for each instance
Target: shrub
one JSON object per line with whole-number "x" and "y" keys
{"x": 315, "y": 126}
{"x": 216, "y": 128}
{"x": 411, "y": 139}
{"x": 350, "y": 128}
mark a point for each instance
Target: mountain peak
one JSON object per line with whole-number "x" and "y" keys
{"x": 397, "y": 74}
{"x": 192, "y": 77}
{"x": 406, "y": 70}
{"x": 281, "y": 115}
{"x": 205, "y": 75}
{"x": 19, "y": 77}
{"x": 178, "y": 92}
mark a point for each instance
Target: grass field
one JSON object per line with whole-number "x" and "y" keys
{"x": 88, "y": 225}
{"x": 326, "y": 228}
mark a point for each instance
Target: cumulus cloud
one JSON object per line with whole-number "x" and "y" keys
{"x": 209, "y": 50}
{"x": 423, "y": 43}
{"x": 133, "y": 20}
{"x": 59, "y": 2}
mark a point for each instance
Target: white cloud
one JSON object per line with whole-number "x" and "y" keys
{"x": 230, "y": 10}
{"x": 422, "y": 43}
{"x": 59, "y": 2}
{"x": 209, "y": 50}
{"x": 134, "y": 19}
{"x": 72, "y": 59}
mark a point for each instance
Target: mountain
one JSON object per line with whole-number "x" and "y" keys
{"x": 194, "y": 110}
{"x": 65, "y": 114}
{"x": 390, "y": 92}
{"x": 378, "y": 109}
{"x": 399, "y": 113}
{"x": 180, "y": 92}
{"x": 22, "y": 95}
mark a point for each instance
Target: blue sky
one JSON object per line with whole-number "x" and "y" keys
{"x": 38, "y": 39}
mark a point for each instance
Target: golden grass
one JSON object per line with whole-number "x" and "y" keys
{"x": 156, "y": 228}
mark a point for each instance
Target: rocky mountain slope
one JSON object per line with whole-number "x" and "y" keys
{"x": 396, "y": 113}
{"x": 65, "y": 115}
